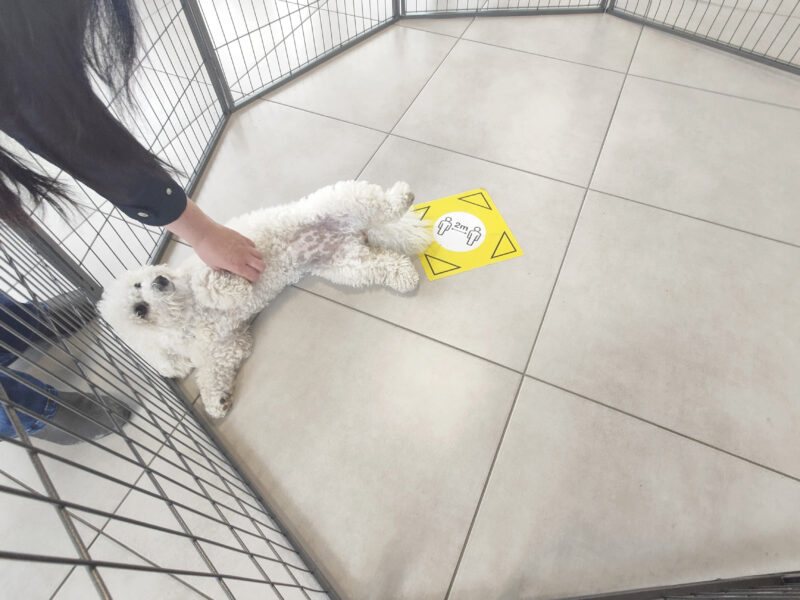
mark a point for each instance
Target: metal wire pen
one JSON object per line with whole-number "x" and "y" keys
{"x": 214, "y": 536}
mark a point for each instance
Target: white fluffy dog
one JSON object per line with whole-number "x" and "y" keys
{"x": 351, "y": 233}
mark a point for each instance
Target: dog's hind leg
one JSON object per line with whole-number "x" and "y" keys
{"x": 378, "y": 267}
{"x": 360, "y": 204}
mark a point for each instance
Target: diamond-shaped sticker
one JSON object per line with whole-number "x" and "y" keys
{"x": 469, "y": 232}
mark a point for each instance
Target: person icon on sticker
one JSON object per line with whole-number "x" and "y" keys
{"x": 445, "y": 225}
{"x": 474, "y": 235}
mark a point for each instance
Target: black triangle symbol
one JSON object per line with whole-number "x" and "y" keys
{"x": 477, "y": 199}
{"x": 423, "y": 208}
{"x": 508, "y": 241}
{"x": 444, "y": 262}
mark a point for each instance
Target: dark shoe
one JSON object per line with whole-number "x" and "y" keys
{"x": 73, "y": 421}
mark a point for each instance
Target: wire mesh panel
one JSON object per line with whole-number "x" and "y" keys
{"x": 467, "y": 7}
{"x": 177, "y": 116}
{"x": 108, "y": 482}
{"x": 763, "y": 29}
{"x": 261, "y": 43}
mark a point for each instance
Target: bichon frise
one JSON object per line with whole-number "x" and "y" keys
{"x": 191, "y": 316}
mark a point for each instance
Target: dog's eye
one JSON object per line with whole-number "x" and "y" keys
{"x": 140, "y": 309}
{"x": 137, "y": 285}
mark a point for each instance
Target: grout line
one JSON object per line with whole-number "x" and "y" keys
{"x": 716, "y": 92}
{"x": 490, "y": 161}
{"x": 319, "y": 114}
{"x": 696, "y": 218}
{"x": 665, "y": 428}
{"x": 403, "y": 137}
{"x": 409, "y": 330}
{"x": 535, "y": 174}
{"x": 485, "y": 487}
{"x": 100, "y": 533}
{"x": 101, "y": 530}
{"x": 583, "y": 201}
{"x": 576, "y": 62}
{"x": 538, "y": 331}
{"x": 407, "y": 23}
{"x": 566, "y": 60}
{"x": 72, "y": 514}
{"x": 410, "y": 104}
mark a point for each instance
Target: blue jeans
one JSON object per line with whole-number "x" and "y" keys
{"x": 20, "y": 393}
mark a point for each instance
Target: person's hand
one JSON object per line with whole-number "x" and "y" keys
{"x": 223, "y": 248}
{"x": 216, "y": 245}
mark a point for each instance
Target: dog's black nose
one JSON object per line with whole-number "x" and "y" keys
{"x": 160, "y": 283}
{"x": 140, "y": 309}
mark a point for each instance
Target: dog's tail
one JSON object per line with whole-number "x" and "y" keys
{"x": 407, "y": 235}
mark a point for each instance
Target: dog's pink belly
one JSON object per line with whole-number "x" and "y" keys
{"x": 320, "y": 245}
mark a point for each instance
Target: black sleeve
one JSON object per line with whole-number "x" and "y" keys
{"x": 150, "y": 196}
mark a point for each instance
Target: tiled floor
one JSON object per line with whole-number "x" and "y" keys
{"x": 615, "y": 409}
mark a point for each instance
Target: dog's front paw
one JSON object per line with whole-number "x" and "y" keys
{"x": 218, "y": 409}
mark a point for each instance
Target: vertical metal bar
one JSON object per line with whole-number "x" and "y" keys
{"x": 243, "y": 477}
{"x": 65, "y": 517}
{"x": 70, "y": 270}
{"x": 194, "y": 17}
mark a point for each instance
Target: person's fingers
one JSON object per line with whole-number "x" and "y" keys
{"x": 249, "y": 273}
{"x": 258, "y": 265}
{"x": 244, "y": 270}
{"x": 254, "y": 259}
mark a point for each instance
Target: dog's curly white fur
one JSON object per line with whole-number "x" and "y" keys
{"x": 352, "y": 233}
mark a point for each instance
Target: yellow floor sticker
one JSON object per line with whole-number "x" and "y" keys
{"x": 469, "y": 233}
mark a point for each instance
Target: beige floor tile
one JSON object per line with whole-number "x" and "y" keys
{"x": 28, "y": 526}
{"x": 596, "y": 40}
{"x": 164, "y": 549}
{"x": 272, "y": 154}
{"x": 697, "y": 65}
{"x": 537, "y": 114}
{"x": 383, "y": 75}
{"x": 723, "y": 159}
{"x": 687, "y": 324}
{"x": 128, "y": 584}
{"x": 261, "y": 42}
{"x": 371, "y": 443}
{"x": 493, "y": 311}
{"x": 585, "y": 500}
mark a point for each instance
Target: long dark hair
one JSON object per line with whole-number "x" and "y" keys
{"x": 47, "y": 50}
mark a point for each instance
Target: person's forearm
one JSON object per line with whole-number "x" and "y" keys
{"x": 216, "y": 245}
{"x": 193, "y": 224}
